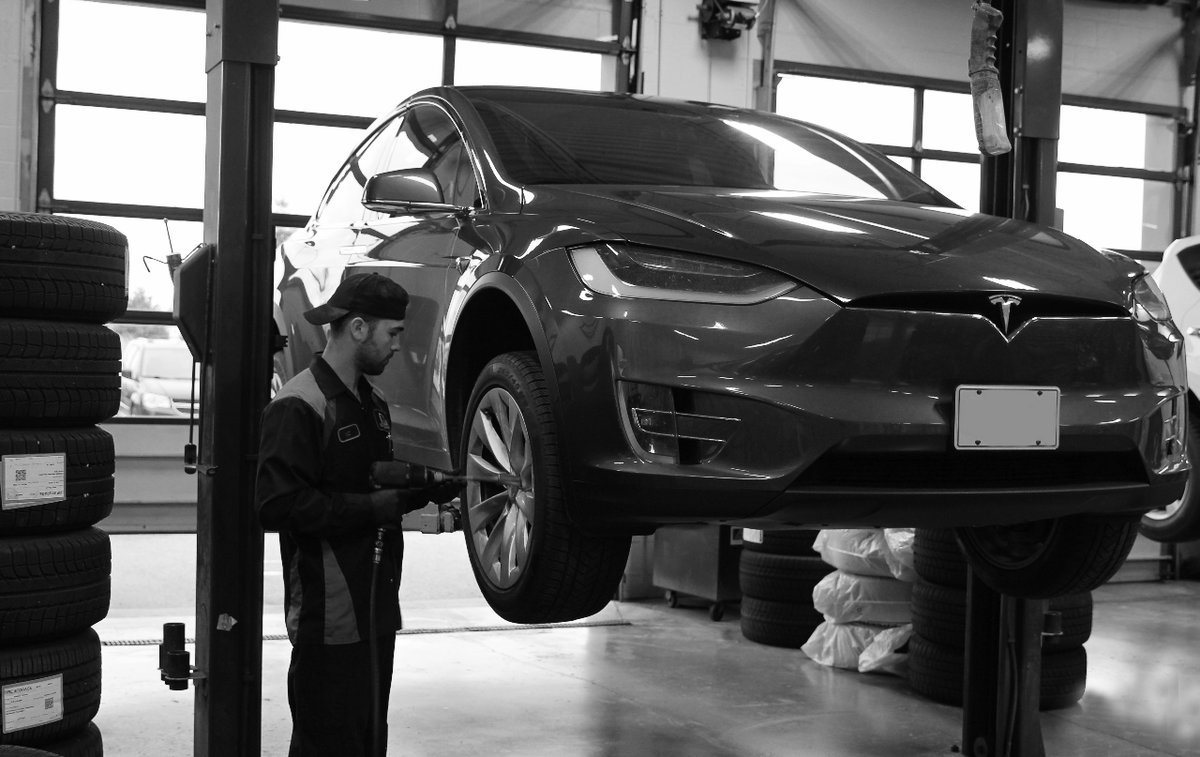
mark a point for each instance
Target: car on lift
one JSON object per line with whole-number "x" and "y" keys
{"x": 652, "y": 311}
{"x": 1177, "y": 276}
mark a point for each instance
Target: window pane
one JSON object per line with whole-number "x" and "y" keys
{"x": 583, "y": 19}
{"x": 420, "y": 10}
{"x": 306, "y": 158}
{"x": 948, "y": 122}
{"x": 374, "y": 70}
{"x": 119, "y": 49}
{"x": 126, "y": 156}
{"x": 1116, "y": 138}
{"x": 1109, "y": 211}
{"x": 873, "y": 113}
{"x": 958, "y": 181}
{"x": 520, "y": 65}
{"x": 156, "y": 372}
{"x": 150, "y": 286}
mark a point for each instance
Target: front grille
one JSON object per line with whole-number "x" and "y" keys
{"x": 1026, "y": 307}
{"x": 972, "y": 469}
{"x": 923, "y": 349}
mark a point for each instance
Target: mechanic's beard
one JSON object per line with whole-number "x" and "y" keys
{"x": 372, "y": 366}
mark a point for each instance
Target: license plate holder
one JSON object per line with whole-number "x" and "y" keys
{"x": 1006, "y": 417}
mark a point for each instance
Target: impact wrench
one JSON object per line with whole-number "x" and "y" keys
{"x": 401, "y": 475}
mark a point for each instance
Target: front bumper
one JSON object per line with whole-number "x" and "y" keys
{"x": 844, "y": 415}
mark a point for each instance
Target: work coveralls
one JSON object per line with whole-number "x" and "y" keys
{"x": 318, "y": 442}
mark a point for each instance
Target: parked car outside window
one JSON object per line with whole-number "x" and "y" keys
{"x": 158, "y": 378}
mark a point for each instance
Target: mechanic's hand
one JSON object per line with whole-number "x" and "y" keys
{"x": 388, "y": 506}
{"x": 440, "y": 494}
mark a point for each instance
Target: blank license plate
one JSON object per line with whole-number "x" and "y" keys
{"x": 1006, "y": 417}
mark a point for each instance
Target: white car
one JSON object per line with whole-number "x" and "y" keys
{"x": 1179, "y": 278}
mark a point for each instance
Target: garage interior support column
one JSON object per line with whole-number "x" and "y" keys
{"x": 1021, "y": 184}
{"x": 241, "y": 55}
{"x": 1002, "y": 664}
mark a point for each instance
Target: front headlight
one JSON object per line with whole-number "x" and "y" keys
{"x": 1148, "y": 302}
{"x": 621, "y": 271}
{"x": 152, "y": 401}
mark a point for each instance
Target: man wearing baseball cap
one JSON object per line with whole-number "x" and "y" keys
{"x": 320, "y": 435}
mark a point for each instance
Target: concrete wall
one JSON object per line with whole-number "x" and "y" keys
{"x": 1110, "y": 50}
{"x": 17, "y": 53}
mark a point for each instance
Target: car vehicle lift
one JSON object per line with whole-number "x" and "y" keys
{"x": 1002, "y": 667}
{"x": 242, "y": 45}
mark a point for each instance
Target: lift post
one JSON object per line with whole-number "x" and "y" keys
{"x": 242, "y": 37}
{"x": 1002, "y": 674}
{"x": 1002, "y": 667}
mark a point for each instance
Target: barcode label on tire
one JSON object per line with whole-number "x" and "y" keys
{"x": 29, "y": 704}
{"x": 29, "y": 480}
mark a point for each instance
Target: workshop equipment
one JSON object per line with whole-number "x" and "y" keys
{"x": 991, "y": 130}
{"x": 699, "y": 561}
{"x": 433, "y": 518}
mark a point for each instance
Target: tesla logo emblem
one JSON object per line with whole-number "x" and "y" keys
{"x": 1006, "y": 303}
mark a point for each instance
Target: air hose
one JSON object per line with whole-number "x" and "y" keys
{"x": 373, "y": 651}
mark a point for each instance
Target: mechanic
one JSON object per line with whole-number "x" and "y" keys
{"x": 320, "y": 436}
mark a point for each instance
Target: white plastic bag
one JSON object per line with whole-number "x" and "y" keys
{"x": 840, "y": 645}
{"x": 849, "y": 598}
{"x": 899, "y": 542}
{"x": 854, "y": 550}
{"x": 882, "y": 655}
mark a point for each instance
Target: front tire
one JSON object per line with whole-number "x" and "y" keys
{"x": 531, "y": 562}
{"x": 1049, "y": 558}
{"x": 1180, "y": 520}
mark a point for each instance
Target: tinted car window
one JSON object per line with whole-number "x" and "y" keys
{"x": 344, "y": 202}
{"x": 427, "y": 138}
{"x": 589, "y": 141}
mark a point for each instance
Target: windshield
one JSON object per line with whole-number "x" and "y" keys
{"x": 167, "y": 363}
{"x": 568, "y": 138}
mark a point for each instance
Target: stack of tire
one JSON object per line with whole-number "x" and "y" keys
{"x": 938, "y": 643}
{"x": 777, "y": 573}
{"x": 61, "y": 280}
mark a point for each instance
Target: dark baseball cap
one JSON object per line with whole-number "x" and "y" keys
{"x": 367, "y": 293}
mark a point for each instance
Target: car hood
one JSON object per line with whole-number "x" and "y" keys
{"x": 851, "y": 248}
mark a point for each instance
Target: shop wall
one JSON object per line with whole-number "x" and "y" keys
{"x": 15, "y": 41}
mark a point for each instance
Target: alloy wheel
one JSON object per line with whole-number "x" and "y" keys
{"x": 500, "y": 516}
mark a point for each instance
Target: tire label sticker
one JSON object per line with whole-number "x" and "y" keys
{"x": 28, "y": 480}
{"x": 32, "y": 703}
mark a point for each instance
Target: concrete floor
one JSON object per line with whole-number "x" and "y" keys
{"x": 642, "y": 679}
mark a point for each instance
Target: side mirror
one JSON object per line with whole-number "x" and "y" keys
{"x": 408, "y": 191}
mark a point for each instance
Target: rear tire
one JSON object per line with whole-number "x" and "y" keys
{"x": 1049, "y": 558}
{"x": 779, "y": 624}
{"x": 69, "y": 269}
{"x": 781, "y": 578}
{"x": 53, "y": 585}
{"x": 531, "y": 562}
{"x": 1180, "y": 520}
{"x": 939, "y": 615}
{"x": 936, "y": 672}
{"x": 89, "y": 479}
{"x": 785, "y": 542}
{"x": 58, "y": 373}
{"x": 938, "y": 559}
{"x": 77, "y": 660}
